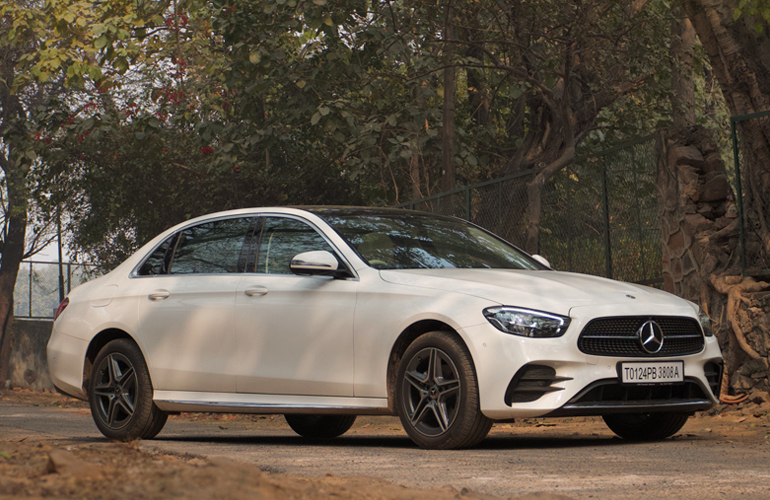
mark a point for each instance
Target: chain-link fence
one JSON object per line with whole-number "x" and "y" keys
{"x": 598, "y": 216}
{"x": 37, "y": 286}
{"x": 751, "y": 137}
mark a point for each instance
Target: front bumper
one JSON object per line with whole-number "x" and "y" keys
{"x": 571, "y": 382}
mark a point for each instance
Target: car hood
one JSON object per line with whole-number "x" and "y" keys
{"x": 553, "y": 291}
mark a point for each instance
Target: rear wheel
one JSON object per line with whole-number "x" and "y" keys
{"x": 120, "y": 394}
{"x": 437, "y": 394}
{"x": 645, "y": 426}
{"x": 320, "y": 426}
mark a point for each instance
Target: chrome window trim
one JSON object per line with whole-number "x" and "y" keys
{"x": 134, "y": 274}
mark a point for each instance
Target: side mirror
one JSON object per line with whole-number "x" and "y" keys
{"x": 317, "y": 263}
{"x": 542, "y": 260}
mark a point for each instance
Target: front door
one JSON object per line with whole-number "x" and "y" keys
{"x": 294, "y": 333}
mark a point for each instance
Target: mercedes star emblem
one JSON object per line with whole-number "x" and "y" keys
{"x": 651, "y": 337}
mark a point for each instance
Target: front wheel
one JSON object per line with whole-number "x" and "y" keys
{"x": 437, "y": 394}
{"x": 120, "y": 394}
{"x": 320, "y": 426}
{"x": 645, "y": 426}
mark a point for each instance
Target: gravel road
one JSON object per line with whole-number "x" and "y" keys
{"x": 727, "y": 456}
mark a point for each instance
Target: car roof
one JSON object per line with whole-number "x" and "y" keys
{"x": 324, "y": 211}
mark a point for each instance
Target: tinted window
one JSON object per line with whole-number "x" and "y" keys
{"x": 282, "y": 239}
{"x": 213, "y": 247}
{"x": 157, "y": 262}
{"x": 418, "y": 242}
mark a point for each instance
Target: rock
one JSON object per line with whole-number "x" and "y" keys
{"x": 715, "y": 189}
{"x": 759, "y": 397}
{"x": 688, "y": 183}
{"x": 685, "y": 155}
{"x": 713, "y": 163}
{"x": 722, "y": 223}
{"x": 696, "y": 223}
{"x": 66, "y": 464}
{"x": 676, "y": 243}
{"x": 541, "y": 495}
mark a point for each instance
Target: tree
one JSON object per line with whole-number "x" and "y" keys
{"x": 339, "y": 101}
{"x": 45, "y": 45}
{"x": 543, "y": 74}
{"x": 16, "y": 159}
{"x": 702, "y": 247}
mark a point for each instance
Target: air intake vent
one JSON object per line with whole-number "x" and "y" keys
{"x": 713, "y": 372}
{"x": 531, "y": 383}
{"x": 610, "y": 396}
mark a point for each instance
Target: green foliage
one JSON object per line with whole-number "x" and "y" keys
{"x": 83, "y": 40}
{"x": 165, "y": 110}
{"x": 756, "y": 10}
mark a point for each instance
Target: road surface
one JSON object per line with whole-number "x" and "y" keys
{"x": 712, "y": 457}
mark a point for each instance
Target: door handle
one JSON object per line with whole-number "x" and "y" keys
{"x": 160, "y": 295}
{"x": 255, "y": 290}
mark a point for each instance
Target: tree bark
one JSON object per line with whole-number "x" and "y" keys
{"x": 13, "y": 246}
{"x": 682, "y": 85}
{"x": 736, "y": 299}
{"x": 740, "y": 58}
{"x": 699, "y": 235}
{"x": 13, "y": 225}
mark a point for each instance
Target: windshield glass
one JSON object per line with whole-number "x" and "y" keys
{"x": 413, "y": 241}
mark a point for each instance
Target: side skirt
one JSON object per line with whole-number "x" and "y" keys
{"x": 210, "y": 402}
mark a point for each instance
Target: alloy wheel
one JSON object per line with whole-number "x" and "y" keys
{"x": 431, "y": 391}
{"x": 115, "y": 390}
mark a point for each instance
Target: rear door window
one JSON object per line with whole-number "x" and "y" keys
{"x": 213, "y": 247}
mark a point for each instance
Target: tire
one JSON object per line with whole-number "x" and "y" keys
{"x": 320, "y": 426}
{"x": 645, "y": 426}
{"x": 120, "y": 394}
{"x": 437, "y": 394}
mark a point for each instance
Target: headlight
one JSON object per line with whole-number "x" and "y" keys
{"x": 705, "y": 323}
{"x": 525, "y": 322}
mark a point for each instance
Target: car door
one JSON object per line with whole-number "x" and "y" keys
{"x": 294, "y": 333}
{"x": 187, "y": 306}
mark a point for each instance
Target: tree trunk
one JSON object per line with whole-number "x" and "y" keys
{"x": 13, "y": 225}
{"x": 699, "y": 235}
{"x": 534, "y": 197}
{"x": 736, "y": 300}
{"x": 682, "y": 85}
{"x": 13, "y": 246}
{"x": 740, "y": 58}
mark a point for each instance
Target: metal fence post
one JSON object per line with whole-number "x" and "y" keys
{"x": 638, "y": 211}
{"x": 738, "y": 195}
{"x": 467, "y": 203}
{"x": 607, "y": 239}
{"x": 499, "y": 206}
{"x": 581, "y": 258}
{"x": 30, "y": 289}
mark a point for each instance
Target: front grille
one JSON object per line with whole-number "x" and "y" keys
{"x": 619, "y": 337}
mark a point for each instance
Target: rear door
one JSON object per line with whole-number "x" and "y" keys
{"x": 187, "y": 305}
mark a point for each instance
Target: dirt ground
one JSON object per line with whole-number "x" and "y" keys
{"x": 36, "y": 469}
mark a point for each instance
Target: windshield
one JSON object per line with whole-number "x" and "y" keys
{"x": 413, "y": 241}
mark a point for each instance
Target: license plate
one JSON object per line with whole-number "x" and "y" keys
{"x": 652, "y": 372}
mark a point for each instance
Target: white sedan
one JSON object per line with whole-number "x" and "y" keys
{"x": 325, "y": 313}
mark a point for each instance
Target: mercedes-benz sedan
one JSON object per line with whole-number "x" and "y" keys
{"x": 326, "y": 313}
